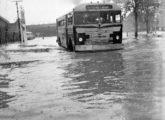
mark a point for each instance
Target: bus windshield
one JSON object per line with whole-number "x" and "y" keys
{"x": 86, "y": 18}
{"x": 97, "y": 17}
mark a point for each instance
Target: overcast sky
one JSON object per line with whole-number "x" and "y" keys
{"x": 43, "y": 11}
{"x": 46, "y": 11}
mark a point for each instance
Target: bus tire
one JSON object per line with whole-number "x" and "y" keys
{"x": 70, "y": 45}
{"x": 59, "y": 42}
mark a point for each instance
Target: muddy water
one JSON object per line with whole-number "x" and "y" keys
{"x": 41, "y": 81}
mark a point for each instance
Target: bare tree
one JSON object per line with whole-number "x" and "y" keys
{"x": 133, "y": 6}
{"x": 147, "y": 9}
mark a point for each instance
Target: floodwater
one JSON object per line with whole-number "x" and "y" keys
{"x": 41, "y": 81}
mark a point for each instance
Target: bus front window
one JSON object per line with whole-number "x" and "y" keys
{"x": 110, "y": 17}
{"x": 106, "y": 17}
{"x": 86, "y": 18}
{"x": 103, "y": 17}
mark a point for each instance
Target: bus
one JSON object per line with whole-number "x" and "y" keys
{"x": 91, "y": 27}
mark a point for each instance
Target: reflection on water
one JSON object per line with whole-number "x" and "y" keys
{"x": 18, "y": 64}
{"x": 95, "y": 74}
{"x": 4, "y": 97}
{"x": 54, "y": 84}
{"x": 128, "y": 79}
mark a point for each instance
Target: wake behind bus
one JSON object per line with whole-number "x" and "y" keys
{"x": 91, "y": 27}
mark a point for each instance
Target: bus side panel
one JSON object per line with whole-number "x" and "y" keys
{"x": 62, "y": 35}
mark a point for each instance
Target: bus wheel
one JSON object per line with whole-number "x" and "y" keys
{"x": 59, "y": 42}
{"x": 70, "y": 45}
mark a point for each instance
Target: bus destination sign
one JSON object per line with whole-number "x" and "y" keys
{"x": 95, "y": 7}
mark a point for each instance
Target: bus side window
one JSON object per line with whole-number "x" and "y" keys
{"x": 61, "y": 23}
{"x": 58, "y": 23}
{"x": 70, "y": 20}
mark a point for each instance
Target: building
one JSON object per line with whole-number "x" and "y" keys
{"x": 3, "y": 30}
{"x": 10, "y": 30}
{"x": 3, "y": 21}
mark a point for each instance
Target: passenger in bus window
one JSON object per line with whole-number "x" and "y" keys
{"x": 70, "y": 20}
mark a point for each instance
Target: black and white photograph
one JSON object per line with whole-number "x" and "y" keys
{"x": 82, "y": 59}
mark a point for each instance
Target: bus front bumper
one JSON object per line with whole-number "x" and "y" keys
{"x": 81, "y": 48}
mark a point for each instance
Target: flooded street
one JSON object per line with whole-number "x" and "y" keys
{"x": 41, "y": 81}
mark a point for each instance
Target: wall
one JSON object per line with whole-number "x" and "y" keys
{"x": 3, "y": 30}
{"x": 8, "y": 32}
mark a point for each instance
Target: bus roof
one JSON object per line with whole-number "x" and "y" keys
{"x": 97, "y": 6}
{"x": 93, "y": 7}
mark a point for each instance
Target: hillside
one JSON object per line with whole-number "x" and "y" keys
{"x": 43, "y": 29}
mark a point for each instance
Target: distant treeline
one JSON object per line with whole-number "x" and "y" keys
{"x": 43, "y": 29}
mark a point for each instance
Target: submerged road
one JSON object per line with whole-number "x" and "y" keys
{"x": 41, "y": 81}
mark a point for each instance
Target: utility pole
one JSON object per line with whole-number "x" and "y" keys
{"x": 19, "y": 23}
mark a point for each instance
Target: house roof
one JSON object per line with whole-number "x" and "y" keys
{"x": 3, "y": 19}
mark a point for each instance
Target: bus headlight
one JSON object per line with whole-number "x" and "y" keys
{"x": 117, "y": 37}
{"x": 80, "y": 39}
